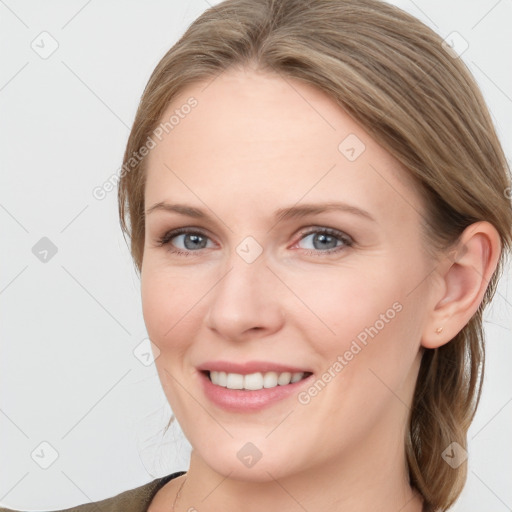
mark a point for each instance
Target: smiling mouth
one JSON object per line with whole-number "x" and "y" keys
{"x": 254, "y": 381}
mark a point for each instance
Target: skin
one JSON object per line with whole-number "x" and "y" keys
{"x": 255, "y": 143}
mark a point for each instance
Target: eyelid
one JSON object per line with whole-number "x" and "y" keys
{"x": 325, "y": 229}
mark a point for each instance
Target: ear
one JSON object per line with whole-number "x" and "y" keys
{"x": 461, "y": 280}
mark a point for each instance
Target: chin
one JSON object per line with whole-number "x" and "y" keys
{"x": 252, "y": 458}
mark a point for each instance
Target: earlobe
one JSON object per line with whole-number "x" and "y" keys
{"x": 465, "y": 274}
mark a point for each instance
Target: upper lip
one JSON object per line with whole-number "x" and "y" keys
{"x": 249, "y": 367}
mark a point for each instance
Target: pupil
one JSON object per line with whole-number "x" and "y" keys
{"x": 194, "y": 239}
{"x": 324, "y": 237}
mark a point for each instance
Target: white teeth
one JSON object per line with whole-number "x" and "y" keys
{"x": 270, "y": 380}
{"x": 254, "y": 381}
{"x": 235, "y": 381}
{"x": 296, "y": 377}
{"x": 222, "y": 378}
{"x": 284, "y": 378}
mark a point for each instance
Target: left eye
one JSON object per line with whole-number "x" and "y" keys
{"x": 326, "y": 240}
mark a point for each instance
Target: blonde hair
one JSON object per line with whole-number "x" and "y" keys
{"x": 391, "y": 74}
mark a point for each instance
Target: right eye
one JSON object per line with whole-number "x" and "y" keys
{"x": 191, "y": 241}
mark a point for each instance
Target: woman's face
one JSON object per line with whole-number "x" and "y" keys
{"x": 268, "y": 277}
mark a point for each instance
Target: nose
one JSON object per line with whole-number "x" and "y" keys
{"x": 245, "y": 303}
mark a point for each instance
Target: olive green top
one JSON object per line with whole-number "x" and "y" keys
{"x": 135, "y": 500}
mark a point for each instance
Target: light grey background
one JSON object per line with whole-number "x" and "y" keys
{"x": 70, "y": 326}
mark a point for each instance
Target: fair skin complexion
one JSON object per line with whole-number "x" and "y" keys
{"x": 252, "y": 145}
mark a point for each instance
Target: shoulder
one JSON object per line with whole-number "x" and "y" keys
{"x": 134, "y": 500}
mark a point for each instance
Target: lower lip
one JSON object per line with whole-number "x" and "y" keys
{"x": 240, "y": 400}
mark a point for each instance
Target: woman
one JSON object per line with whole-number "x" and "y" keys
{"x": 318, "y": 207}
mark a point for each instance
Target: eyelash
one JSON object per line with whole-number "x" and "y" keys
{"x": 346, "y": 239}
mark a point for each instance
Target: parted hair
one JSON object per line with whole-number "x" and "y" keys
{"x": 394, "y": 76}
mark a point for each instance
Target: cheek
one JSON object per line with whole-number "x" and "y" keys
{"x": 167, "y": 306}
{"x": 165, "y": 300}
{"x": 154, "y": 304}
{"x": 344, "y": 303}
{"x": 367, "y": 318}
{"x": 173, "y": 307}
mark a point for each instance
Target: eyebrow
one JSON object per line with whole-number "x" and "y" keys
{"x": 292, "y": 212}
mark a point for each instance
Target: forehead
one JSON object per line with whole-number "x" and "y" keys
{"x": 269, "y": 138}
